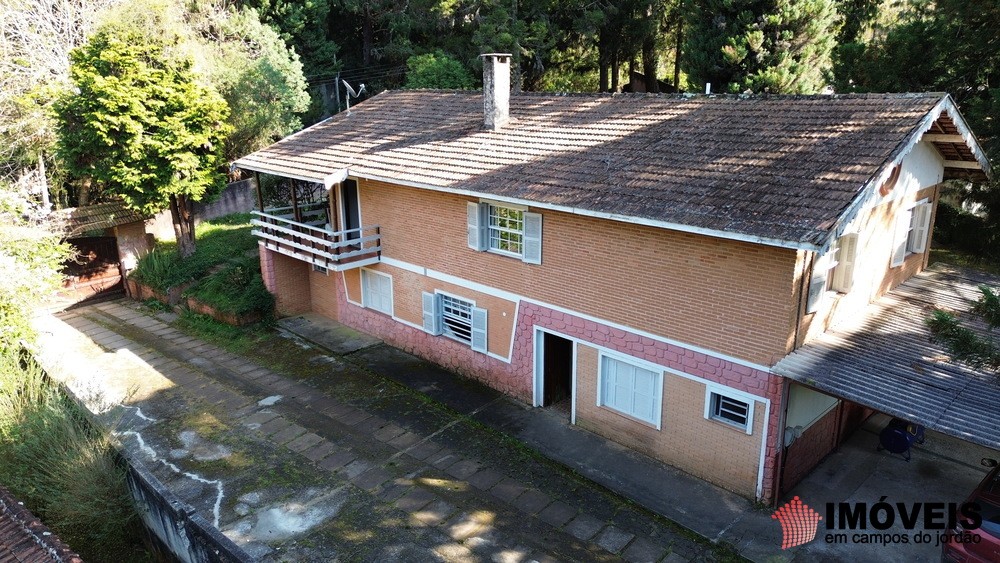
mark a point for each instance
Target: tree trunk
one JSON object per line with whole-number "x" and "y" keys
{"x": 615, "y": 71}
{"x": 649, "y": 64}
{"x": 180, "y": 212}
{"x": 602, "y": 62}
{"x": 366, "y": 33}
{"x": 83, "y": 192}
{"x": 677, "y": 50}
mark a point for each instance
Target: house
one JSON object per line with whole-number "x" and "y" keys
{"x": 641, "y": 261}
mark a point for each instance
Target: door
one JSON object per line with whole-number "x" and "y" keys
{"x": 557, "y": 370}
{"x": 350, "y": 208}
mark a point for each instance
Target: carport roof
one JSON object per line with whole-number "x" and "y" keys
{"x": 885, "y": 360}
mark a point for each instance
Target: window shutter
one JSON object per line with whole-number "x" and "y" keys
{"x": 843, "y": 278}
{"x": 385, "y": 294}
{"x": 899, "y": 240}
{"x": 817, "y": 286}
{"x": 921, "y": 227}
{"x": 478, "y": 237}
{"x": 432, "y": 317}
{"x": 479, "y": 329}
{"x": 532, "y": 238}
{"x": 365, "y": 289}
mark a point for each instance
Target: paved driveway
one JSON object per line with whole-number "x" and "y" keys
{"x": 309, "y": 456}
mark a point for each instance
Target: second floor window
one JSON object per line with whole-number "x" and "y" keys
{"x": 506, "y": 229}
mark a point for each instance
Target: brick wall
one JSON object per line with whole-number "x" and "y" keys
{"x": 733, "y": 297}
{"x": 288, "y": 279}
{"x": 810, "y": 448}
{"x": 705, "y": 448}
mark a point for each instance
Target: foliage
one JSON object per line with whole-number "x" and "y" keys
{"x": 963, "y": 231}
{"x": 777, "y": 46}
{"x": 218, "y": 241}
{"x": 63, "y": 468}
{"x": 305, "y": 26}
{"x": 141, "y": 123}
{"x": 30, "y": 259}
{"x": 966, "y": 345}
{"x": 255, "y": 71}
{"x": 237, "y": 288}
{"x": 437, "y": 70}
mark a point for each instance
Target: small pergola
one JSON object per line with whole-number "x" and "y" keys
{"x": 307, "y": 218}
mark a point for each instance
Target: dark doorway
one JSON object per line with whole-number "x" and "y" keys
{"x": 351, "y": 207}
{"x": 557, "y": 369}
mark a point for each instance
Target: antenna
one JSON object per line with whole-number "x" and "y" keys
{"x": 352, "y": 94}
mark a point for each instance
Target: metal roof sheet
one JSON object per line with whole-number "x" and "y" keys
{"x": 885, "y": 360}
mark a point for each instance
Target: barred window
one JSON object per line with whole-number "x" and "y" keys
{"x": 456, "y": 318}
{"x": 731, "y": 411}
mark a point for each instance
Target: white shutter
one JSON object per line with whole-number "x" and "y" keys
{"x": 843, "y": 276}
{"x": 385, "y": 293}
{"x": 476, "y": 224}
{"x": 479, "y": 342}
{"x": 817, "y": 285}
{"x": 921, "y": 227}
{"x": 532, "y": 238}
{"x": 899, "y": 239}
{"x": 432, "y": 316}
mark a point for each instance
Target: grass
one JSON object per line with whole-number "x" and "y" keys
{"x": 224, "y": 269}
{"x": 217, "y": 241}
{"x": 963, "y": 259}
{"x": 63, "y": 467}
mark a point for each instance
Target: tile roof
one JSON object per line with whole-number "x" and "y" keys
{"x": 778, "y": 167}
{"x": 100, "y": 216}
{"x": 24, "y": 539}
{"x": 885, "y": 359}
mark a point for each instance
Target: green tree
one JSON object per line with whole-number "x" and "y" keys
{"x": 778, "y": 46}
{"x": 143, "y": 125}
{"x": 976, "y": 348}
{"x": 260, "y": 77}
{"x": 437, "y": 70}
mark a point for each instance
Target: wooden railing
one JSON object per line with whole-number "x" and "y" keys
{"x": 333, "y": 250}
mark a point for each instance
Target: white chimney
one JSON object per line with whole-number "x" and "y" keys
{"x": 496, "y": 89}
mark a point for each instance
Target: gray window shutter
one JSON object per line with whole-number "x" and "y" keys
{"x": 532, "y": 238}
{"x": 479, "y": 329}
{"x": 478, "y": 237}
{"x": 817, "y": 286}
{"x": 432, "y": 316}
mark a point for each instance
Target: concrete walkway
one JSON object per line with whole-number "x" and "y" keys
{"x": 319, "y": 456}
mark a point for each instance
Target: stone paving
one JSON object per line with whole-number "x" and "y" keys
{"x": 350, "y": 467}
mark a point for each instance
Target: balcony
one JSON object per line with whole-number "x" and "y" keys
{"x": 308, "y": 241}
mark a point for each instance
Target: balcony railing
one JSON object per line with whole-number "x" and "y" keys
{"x": 335, "y": 251}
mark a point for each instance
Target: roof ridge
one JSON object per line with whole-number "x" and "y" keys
{"x": 691, "y": 95}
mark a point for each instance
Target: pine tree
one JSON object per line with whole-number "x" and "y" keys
{"x": 776, "y": 46}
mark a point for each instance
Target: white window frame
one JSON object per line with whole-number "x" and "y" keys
{"x": 445, "y": 329}
{"x": 365, "y": 301}
{"x": 501, "y": 231}
{"x": 320, "y": 269}
{"x": 904, "y": 244}
{"x": 841, "y": 268}
{"x": 657, "y": 371}
{"x": 712, "y": 391}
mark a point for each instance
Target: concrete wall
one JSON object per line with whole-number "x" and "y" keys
{"x": 919, "y": 178}
{"x": 238, "y": 197}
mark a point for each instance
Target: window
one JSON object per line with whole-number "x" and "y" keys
{"x": 834, "y": 271}
{"x": 729, "y": 408}
{"x": 376, "y": 291}
{"x": 912, "y": 232}
{"x": 630, "y": 389}
{"x": 455, "y": 318}
{"x": 505, "y": 229}
{"x": 320, "y": 269}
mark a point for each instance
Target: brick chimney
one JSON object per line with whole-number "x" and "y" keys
{"x": 496, "y": 89}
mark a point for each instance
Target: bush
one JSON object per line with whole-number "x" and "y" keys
{"x": 63, "y": 468}
{"x": 238, "y": 288}
{"x": 961, "y": 230}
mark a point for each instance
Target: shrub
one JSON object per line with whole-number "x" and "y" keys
{"x": 63, "y": 468}
{"x": 238, "y": 288}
